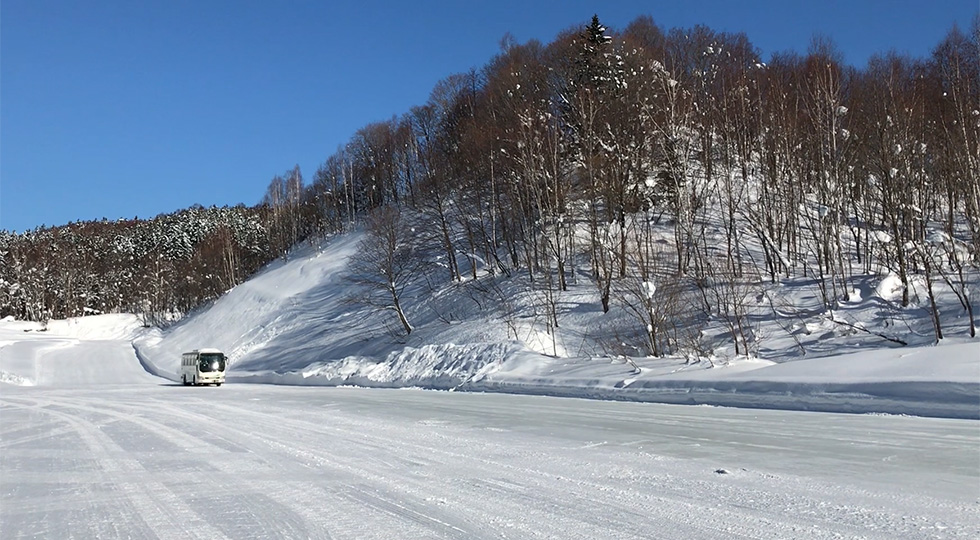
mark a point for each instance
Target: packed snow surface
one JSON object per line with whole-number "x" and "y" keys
{"x": 153, "y": 459}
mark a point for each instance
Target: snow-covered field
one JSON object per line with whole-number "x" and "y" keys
{"x": 152, "y": 459}
{"x": 97, "y": 441}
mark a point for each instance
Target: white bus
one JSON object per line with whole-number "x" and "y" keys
{"x": 203, "y": 366}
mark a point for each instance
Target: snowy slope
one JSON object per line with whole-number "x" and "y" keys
{"x": 294, "y": 324}
{"x": 256, "y": 319}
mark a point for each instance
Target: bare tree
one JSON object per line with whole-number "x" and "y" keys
{"x": 329, "y": 197}
{"x": 434, "y": 180}
{"x": 284, "y": 198}
{"x": 386, "y": 262}
{"x": 728, "y": 298}
{"x": 651, "y": 293}
{"x": 955, "y": 108}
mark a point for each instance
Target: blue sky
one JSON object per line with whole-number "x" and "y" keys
{"x": 123, "y": 109}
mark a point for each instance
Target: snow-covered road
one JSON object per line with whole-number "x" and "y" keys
{"x": 155, "y": 460}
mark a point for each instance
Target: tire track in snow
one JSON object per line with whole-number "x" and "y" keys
{"x": 573, "y": 505}
{"x": 163, "y": 512}
{"x": 287, "y": 468}
{"x": 720, "y": 507}
{"x": 266, "y": 490}
{"x": 362, "y": 485}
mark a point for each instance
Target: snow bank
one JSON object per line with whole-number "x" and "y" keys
{"x": 939, "y": 381}
{"x": 438, "y": 367}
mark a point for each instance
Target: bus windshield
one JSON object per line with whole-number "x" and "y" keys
{"x": 212, "y": 362}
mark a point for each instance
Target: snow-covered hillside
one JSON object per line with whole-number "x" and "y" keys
{"x": 295, "y": 323}
{"x": 298, "y": 322}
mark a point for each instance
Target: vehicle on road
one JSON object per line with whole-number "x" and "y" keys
{"x": 203, "y": 366}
